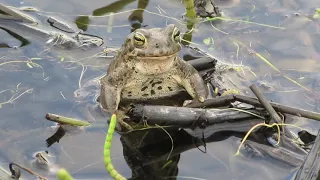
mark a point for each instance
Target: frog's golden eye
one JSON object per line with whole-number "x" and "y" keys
{"x": 139, "y": 39}
{"x": 176, "y": 34}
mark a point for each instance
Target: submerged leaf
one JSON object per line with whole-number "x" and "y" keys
{"x": 207, "y": 41}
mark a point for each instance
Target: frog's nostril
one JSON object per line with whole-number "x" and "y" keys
{"x": 157, "y": 45}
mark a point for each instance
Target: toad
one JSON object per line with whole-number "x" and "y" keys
{"x": 148, "y": 68}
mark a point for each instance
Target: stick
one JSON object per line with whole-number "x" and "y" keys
{"x": 254, "y": 102}
{"x": 189, "y": 117}
{"x": 216, "y": 102}
{"x": 281, "y": 108}
{"x": 14, "y": 15}
{"x": 266, "y": 104}
{"x": 66, "y": 120}
{"x": 203, "y": 63}
{"x": 275, "y": 116}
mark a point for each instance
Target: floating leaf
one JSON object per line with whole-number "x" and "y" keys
{"x": 316, "y": 16}
{"x": 29, "y": 65}
{"x": 318, "y": 10}
{"x": 207, "y": 41}
{"x": 62, "y": 59}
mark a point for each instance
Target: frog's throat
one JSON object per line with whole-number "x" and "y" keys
{"x": 147, "y": 65}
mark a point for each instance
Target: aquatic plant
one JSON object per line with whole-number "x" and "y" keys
{"x": 107, "y": 152}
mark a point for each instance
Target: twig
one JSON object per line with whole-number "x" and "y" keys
{"x": 189, "y": 117}
{"x": 14, "y": 15}
{"x": 13, "y": 171}
{"x": 203, "y": 63}
{"x": 66, "y": 120}
{"x": 254, "y": 102}
{"x": 266, "y": 104}
{"x": 274, "y": 115}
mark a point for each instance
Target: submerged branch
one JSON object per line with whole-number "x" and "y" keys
{"x": 216, "y": 102}
{"x": 190, "y": 117}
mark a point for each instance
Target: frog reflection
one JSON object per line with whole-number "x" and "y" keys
{"x": 204, "y": 8}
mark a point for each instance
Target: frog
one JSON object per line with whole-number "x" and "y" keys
{"x": 148, "y": 68}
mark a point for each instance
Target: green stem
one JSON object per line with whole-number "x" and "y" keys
{"x": 191, "y": 12}
{"x": 64, "y": 175}
{"x": 107, "y": 152}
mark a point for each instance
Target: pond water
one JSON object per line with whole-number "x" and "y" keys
{"x": 64, "y": 81}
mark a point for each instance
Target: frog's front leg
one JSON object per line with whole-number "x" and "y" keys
{"x": 193, "y": 83}
{"x": 121, "y": 116}
{"x": 110, "y": 96}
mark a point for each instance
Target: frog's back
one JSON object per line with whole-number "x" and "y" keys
{"x": 142, "y": 87}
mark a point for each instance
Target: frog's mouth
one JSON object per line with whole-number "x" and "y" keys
{"x": 159, "y": 54}
{"x": 162, "y": 57}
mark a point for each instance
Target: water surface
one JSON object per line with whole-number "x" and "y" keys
{"x": 65, "y": 81}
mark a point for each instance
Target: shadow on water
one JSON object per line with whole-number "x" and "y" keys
{"x": 63, "y": 84}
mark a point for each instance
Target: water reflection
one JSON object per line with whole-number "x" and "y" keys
{"x": 23, "y": 41}
{"x": 61, "y": 35}
{"x": 135, "y": 18}
{"x": 283, "y": 48}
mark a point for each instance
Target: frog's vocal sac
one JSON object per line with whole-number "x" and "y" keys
{"x": 148, "y": 67}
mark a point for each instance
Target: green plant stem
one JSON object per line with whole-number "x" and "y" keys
{"x": 191, "y": 12}
{"x": 107, "y": 152}
{"x": 64, "y": 175}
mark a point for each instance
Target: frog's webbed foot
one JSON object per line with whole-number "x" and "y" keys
{"x": 187, "y": 102}
{"x": 122, "y": 126}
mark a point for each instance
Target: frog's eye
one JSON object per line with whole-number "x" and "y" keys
{"x": 176, "y": 34}
{"x": 139, "y": 39}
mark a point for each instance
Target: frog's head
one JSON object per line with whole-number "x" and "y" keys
{"x": 154, "y": 43}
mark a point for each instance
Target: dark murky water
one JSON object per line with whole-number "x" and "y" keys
{"x": 290, "y": 42}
